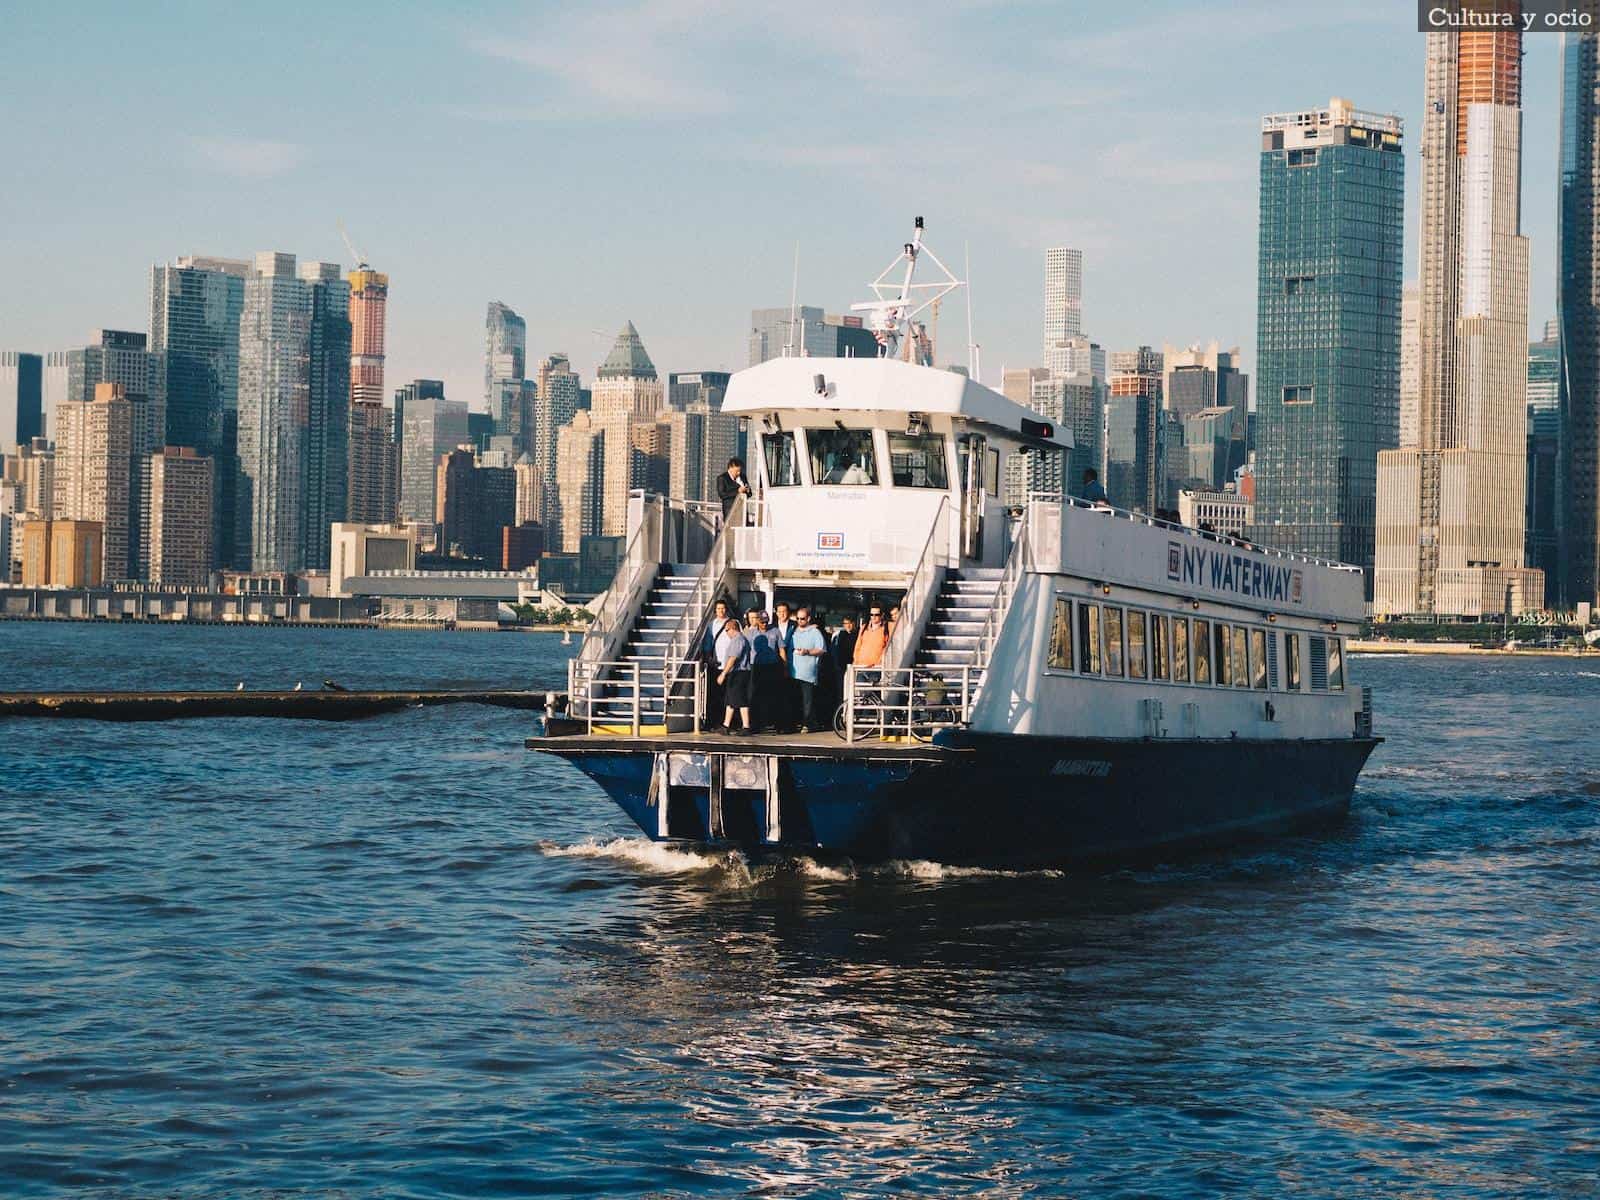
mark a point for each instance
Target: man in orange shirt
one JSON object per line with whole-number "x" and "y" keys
{"x": 872, "y": 641}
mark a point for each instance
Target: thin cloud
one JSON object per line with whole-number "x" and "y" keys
{"x": 252, "y": 158}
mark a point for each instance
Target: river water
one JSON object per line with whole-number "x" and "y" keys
{"x": 405, "y": 957}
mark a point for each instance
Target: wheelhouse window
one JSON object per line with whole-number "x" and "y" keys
{"x": 1158, "y": 646}
{"x": 1258, "y": 659}
{"x": 1180, "y": 649}
{"x": 1113, "y": 622}
{"x": 783, "y": 464}
{"x": 1138, "y": 648}
{"x": 842, "y": 457}
{"x": 1089, "y": 639}
{"x": 917, "y": 460}
{"x": 1060, "y": 656}
{"x": 1202, "y": 651}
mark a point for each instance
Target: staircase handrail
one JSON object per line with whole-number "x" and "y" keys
{"x": 638, "y": 560}
{"x": 922, "y": 592}
{"x": 994, "y": 620}
{"x": 683, "y": 644}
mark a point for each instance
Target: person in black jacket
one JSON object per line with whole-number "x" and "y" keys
{"x": 731, "y": 484}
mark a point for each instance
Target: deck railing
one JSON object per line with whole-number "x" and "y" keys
{"x": 907, "y": 702}
{"x": 615, "y": 695}
{"x": 922, "y": 592}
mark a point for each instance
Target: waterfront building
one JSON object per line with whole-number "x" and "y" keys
{"x": 627, "y": 396}
{"x": 505, "y": 352}
{"x": 360, "y": 549}
{"x": 369, "y": 305}
{"x": 21, "y": 399}
{"x": 62, "y": 553}
{"x": 433, "y": 427}
{"x": 417, "y": 389}
{"x": 580, "y": 483}
{"x": 294, "y": 418}
{"x": 1327, "y": 342}
{"x": 195, "y": 306}
{"x": 1450, "y": 534}
{"x": 33, "y": 469}
{"x": 1135, "y": 443}
{"x": 101, "y": 471}
{"x": 374, "y": 474}
{"x": 180, "y": 520}
{"x": 1578, "y": 316}
{"x": 521, "y": 546}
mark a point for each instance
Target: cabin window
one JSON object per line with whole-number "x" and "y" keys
{"x": 1219, "y": 654}
{"x": 1202, "y": 651}
{"x": 1319, "y": 664}
{"x": 1291, "y": 660}
{"x": 842, "y": 457}
{"x": 1241, "y": 664}
{"x": 1089, "y": 639}
{"x": 1158, "y": 646}
{"x": 1335, "y": 665}
{"x": 917, "y": 461}
{"x": 1060, "y": 656}
{"x": 783, "y": 465}
{"x": 1180, "y": 649}
{"x": 992, "y": 479}
{"x": 1258, "y": 659}
{"x": 1138, "y": 650}
{"x": 1113, "y": 623}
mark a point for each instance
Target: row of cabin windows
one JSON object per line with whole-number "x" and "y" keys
{"x": 848, "y": 458}
{"x": 1134, "y": 644}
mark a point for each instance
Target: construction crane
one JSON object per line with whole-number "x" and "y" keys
{"x": 361, "y": 259}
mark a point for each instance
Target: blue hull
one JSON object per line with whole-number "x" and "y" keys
{"x": 1000, "y": 801}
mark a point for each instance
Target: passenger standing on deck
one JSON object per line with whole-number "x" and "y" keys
{"x": 807, "y": 649}
{"x": 873, "y": 640}
{"x": 767, "y": 682}
{"x": 731, "y": 484}
{"x": 788, "y": 701}
{"x": 1091, "y": 490}
{"x": 708, "y": 655}
{"x": 844, "y": 644}
{"x": 733, "y": 675}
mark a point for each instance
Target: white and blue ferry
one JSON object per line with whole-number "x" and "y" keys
{"x": 1065, "y": 682}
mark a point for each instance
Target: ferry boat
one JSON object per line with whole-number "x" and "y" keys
{"x": 1065, "y": 682}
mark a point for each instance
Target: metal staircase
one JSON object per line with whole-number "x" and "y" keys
{"x": 642, "y": 661}
{"x": 954, "y": 632}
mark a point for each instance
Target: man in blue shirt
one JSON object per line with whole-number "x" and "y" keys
{"x": 769, "y": 679}
{"x": 708, "y": 655}
{"x": 1092, "y": 491}
{"x": 787, "y": 706}
{"x": 807, "y": 646}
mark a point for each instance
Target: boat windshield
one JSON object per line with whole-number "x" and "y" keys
{"x": 783, "y": 469}
{"x": 917, "y": 460}
{"x": 842, "y": 456}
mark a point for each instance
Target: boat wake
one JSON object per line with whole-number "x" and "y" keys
{"x": 732, "y": 867}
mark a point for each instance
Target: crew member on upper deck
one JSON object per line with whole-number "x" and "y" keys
{"x": 732, "y": 484}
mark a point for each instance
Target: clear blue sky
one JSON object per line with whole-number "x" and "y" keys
{"x": 658, "y": 161}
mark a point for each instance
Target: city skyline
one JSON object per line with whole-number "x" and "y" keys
{"x": 1179, "y": 181}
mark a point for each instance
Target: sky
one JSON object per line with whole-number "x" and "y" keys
{"x": 660, "y": 161}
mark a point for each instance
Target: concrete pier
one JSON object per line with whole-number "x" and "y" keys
{"x": 325, "y": 705}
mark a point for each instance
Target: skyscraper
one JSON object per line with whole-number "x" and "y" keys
{"x": 294, "y": 412}
{"x": 369, "y": 306}
{"x": 374, "y": 465}
{"x": 555, "y": 402}
{"x": 505, "y": 353}
{"x": 195, "y": 306}
{"x": 627, "y": 396}
{"x": 101, "y": 470}
{"x": 180, "y": 524}
{"x": 1578, "y": 315}
{"x": 1135, "y": 442}
{"x": 120, "y": 357}
{"x": 417, "y": 389}
{"x": 1063, "y": 296}
{"x": 1544, "y": 451}
{"x": 1410, "y": 367}
{"x": 1327, "y": 343}
{"x": 21, "y": 399}
{"x": 433, "y": 427}
{"x": 1450, "y": 537}
{"x": 580, "y": 483}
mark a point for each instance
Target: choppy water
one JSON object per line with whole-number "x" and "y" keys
{"x": 403, "y": 957}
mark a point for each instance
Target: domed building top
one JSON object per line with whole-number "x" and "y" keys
{"x": 628, "y": 359}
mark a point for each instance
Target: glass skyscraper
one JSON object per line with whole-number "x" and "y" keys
{"x": 1328, "y": 332}
{"x": 505, "y": 352}
{"x": 195, "y": 305}
{"x": 1578, "y": 315}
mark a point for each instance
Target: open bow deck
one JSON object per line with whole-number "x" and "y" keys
{"x": 1064, "y": 681}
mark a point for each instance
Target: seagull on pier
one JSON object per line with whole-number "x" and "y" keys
{"x": 240, "y": 686}
{"x": 299, "y": 685}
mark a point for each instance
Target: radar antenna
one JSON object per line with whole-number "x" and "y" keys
{"x": 892, "y": 317}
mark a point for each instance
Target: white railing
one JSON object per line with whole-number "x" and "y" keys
{"x": 609, "y": 695}
{"x": 914, "y": 702}
{"x": 922, "y": 592}
{"x": 1016, "y": 563}
{"x": 635, "y": 573}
